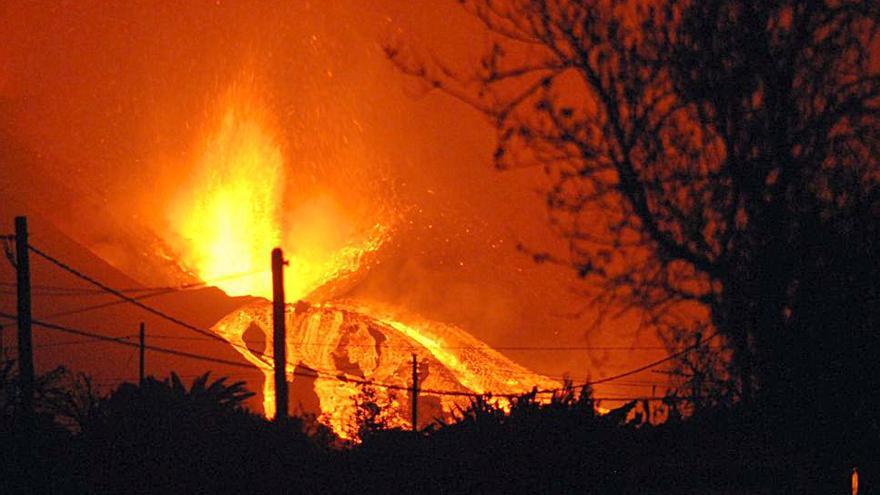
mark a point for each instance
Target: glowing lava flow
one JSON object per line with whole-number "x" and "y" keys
{"x": 229, "y": 218}
{"x": 351, "y": 340}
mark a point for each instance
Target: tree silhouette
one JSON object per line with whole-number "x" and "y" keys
{"x": 712, "y": 157}
{"x": 166, "y": 437}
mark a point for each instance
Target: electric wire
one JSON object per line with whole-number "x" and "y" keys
{"x": 137, "y": 303}
{"x": 313, "y": 373}
{"x": 65, "y": 290}
{"x": 103, "y": 305}
{"x": 75, "y": 342}
{"x": 326, "y": 344}
{"x": 646, "y": 367}
{"x": 169, "y": 289}
{"x": 338, "y": 376}
{"x": 200, "y": 357}
{"x": 120, "y": 341}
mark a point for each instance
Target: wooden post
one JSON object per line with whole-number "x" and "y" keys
{"x": 415, "y": 393}
{"x": 141, "y": 349}
{"x": 25, "y": 348}
{"x": 279, "y": 337}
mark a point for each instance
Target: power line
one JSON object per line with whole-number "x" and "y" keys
{"x": 550, "y": 390}
{"x": 154, "y": 292}
{"x": 178, "y": 337}
{"x": 404, "y": 347}
{"x": 118, "y": 340}
{"x": 677, "y": 398}
{"x": 200, "y": 357}
{"x": 313, "y": 373}
{"x": 92, "y": 340}
{"x": 63, "y": 290}
{"x": 76, "y": 342}
{"x": 106, "y": 304}
{"x": 473, "y": 347}
{"x": 557, "y": 389}
{"x": 340, "y": 376}
{"x": 212, "y": 336}
{"x": 645, "y": 367}
{"x": 640, "y": 384}
{"x": 137, "y": 303}
{"x": 241, "y": 374}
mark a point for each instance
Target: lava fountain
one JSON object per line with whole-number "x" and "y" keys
{"x": 230, "y": 216}
{"x": 232, "y": 212}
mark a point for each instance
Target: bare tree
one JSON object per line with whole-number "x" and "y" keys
{"x": 695, "y": 148}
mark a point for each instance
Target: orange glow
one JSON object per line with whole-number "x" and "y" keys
{"x": 240, "y": 204}
{"x": 231, "y": 215}
{"x": 377, "y": 346}
{"x": 184, "y": 143}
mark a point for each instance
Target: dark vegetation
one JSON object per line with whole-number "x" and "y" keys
{"x": 713, "y": 158}
{"x": 166, "y": 437}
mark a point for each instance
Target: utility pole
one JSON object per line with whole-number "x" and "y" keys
{"x": 279, "y": 337}
{"x": 141, "y": 349}
{"x": 25, "y": 349}
{"x": 415, "y": 393}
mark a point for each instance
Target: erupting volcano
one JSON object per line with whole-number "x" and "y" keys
{"x": 234, "y": 210}
{"x": 238, "y": 207}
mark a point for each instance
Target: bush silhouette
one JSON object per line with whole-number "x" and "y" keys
{"x": 161, "y": 437}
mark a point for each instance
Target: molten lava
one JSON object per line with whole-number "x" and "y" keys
{"x": 235, "y": 210}
{"x": 232, "y": 213}
{"x": 348, "y": 343}
{"x": 229, "y": 217}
